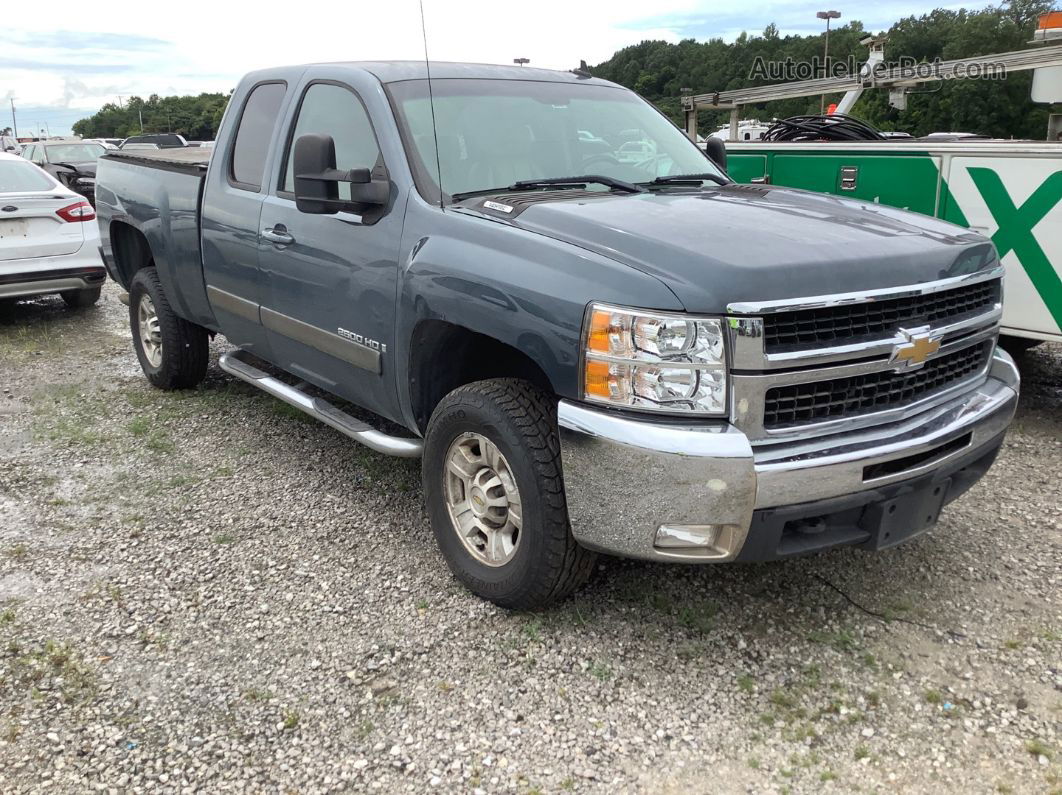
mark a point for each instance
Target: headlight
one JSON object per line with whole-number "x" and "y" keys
{"x": 654, "y": 361}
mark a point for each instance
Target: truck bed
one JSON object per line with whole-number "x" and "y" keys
{"x": 191, "y": 159}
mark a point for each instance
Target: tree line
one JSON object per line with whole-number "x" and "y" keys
{"x": 660, "y": 71}
{"x": 195, "y": 117}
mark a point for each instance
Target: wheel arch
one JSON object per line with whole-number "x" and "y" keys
{"x": 444, "y": 356}
{"x": 131, "y": 251}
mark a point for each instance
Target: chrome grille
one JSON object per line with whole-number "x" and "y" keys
{"x": 838, "y": 368}
{"x": 838, "y": 325}
{"x": 819, "y": 401}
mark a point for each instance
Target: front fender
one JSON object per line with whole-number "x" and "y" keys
{"x": 521, "y": 288}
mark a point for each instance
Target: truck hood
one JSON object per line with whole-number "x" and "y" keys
{"x": 715, "y": 246}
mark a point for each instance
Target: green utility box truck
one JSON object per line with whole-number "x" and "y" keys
{"x": 1007, "y": 190}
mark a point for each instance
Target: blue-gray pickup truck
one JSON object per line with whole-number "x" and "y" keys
{"x": 593, "y": 338}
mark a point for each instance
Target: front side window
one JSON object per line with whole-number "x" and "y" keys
{"x": 492, "y": 133}
{"x": 336, "y": 111}
{"x": 254, "y": 134}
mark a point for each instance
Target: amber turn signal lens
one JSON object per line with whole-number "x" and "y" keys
{"x": 596, "y": 380}
{"x": 600, "y": 326}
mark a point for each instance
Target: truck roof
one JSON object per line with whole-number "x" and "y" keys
{"x": 395, "y": 71}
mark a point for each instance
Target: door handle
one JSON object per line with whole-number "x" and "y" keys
{"x": 278, "y": 235}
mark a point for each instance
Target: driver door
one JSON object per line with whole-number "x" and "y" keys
{"x": 330, "y": 280}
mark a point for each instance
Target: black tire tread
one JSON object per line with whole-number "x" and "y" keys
{"x": 186, "y": 346}
{"x": 534, "y": 413}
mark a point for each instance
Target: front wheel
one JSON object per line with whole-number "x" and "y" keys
{"x": 495, "y": 495}
{"x": 172, "y": 351}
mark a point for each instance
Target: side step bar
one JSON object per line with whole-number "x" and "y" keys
{"x": 321, "y": 409}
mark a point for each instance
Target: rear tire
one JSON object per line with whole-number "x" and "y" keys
{"x": 494, "y": 443}
{"x": 80, "y": 299}
{"x": 172, "y": 351}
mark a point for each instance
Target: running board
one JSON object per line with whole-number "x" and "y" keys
{"x": 321, "y": 409}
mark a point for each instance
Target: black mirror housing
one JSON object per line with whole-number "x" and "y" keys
{"x": 317, "y": 179}
{"x": 716, "y": 151}
{"x": 315, "y": 156}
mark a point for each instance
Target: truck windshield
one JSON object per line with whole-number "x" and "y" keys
{"x": 494, "y": 133}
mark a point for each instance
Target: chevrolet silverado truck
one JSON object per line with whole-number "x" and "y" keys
{"x": 594, "y": 339}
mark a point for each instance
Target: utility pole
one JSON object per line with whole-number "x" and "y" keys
{"x": 14, "y": 123}
{"x": 140, "y": 113}
{"x": 827, "y": 15}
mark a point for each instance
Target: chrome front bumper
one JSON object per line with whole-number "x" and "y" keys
{"x": 626, "y": 477}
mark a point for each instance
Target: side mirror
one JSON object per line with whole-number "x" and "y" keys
{"x": 716, "y": 151}
{"x": 317, "y": 179}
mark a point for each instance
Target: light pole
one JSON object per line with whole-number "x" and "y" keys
{"x": 521, "y": 61}
{"x": 827, "y": 15}
{"x": 14, "y": 123}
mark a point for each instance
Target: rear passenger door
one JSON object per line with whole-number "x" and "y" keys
{"x": 230, "y": 216}
{"x": 330, "y": 280}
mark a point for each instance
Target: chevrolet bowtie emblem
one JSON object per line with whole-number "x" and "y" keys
{"x": 914, "y": 352}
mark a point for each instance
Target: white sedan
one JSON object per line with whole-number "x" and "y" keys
{"x": 49, "y": 241}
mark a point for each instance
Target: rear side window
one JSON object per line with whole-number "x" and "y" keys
{"x": 254, "y": 134}
{"x": 18, "y": 176}
{"x": 336, "y": 111}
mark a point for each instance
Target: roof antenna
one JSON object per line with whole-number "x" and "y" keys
{"x": 582, "y": 71}
{"x": 431, "y": 102}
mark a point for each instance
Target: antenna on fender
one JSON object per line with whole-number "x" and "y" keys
{"x": 431, "y": 102}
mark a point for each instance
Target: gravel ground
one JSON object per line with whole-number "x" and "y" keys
{"x": 206, "y": 591}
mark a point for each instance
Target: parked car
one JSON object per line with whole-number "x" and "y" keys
{"x": 9, "y": 144}
{"x": 49, "y": 241}
{"x": 161, "y": 140}
{"x": 640, "y": 358}
{"x": 73, "y": 163}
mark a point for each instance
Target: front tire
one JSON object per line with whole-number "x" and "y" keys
{"x": 81, "y": 299}
{"x": 495, "y": 495}
{"x": 172, "y": 351}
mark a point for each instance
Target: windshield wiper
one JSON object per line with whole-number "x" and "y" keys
{"x": 618, "y": 184}
{"x": 554, "y": 182}
{"x": 690, "y": 179}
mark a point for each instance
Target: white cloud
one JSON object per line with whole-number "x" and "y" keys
{"x": 209, "y": 50}
{"x": 98, "y": 56}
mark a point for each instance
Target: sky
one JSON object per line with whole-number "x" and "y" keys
{"x": 63, "y": 65}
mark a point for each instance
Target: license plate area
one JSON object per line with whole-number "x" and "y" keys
{"x": 14, "y": 228}
{"x": 903, "y": 517}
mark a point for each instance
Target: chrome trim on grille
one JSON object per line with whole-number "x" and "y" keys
{"x": 863, "y": 296}
{"x": 749, "y": 393}
{"x": 882, "y": 346}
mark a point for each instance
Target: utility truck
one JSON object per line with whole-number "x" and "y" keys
{"x": 1010, "y": 191}
{"x": 590, "y": 352}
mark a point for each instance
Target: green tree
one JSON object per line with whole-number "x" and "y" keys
{"x": 659, "y": 70}
{"x": 194, "y": 117}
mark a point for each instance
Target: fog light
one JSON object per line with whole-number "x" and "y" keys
{"x": 687, "y": 536}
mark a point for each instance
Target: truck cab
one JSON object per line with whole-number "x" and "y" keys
{"x": 592, "y": 346}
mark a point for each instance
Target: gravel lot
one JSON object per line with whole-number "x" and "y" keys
{"x": 207, "y": 591}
